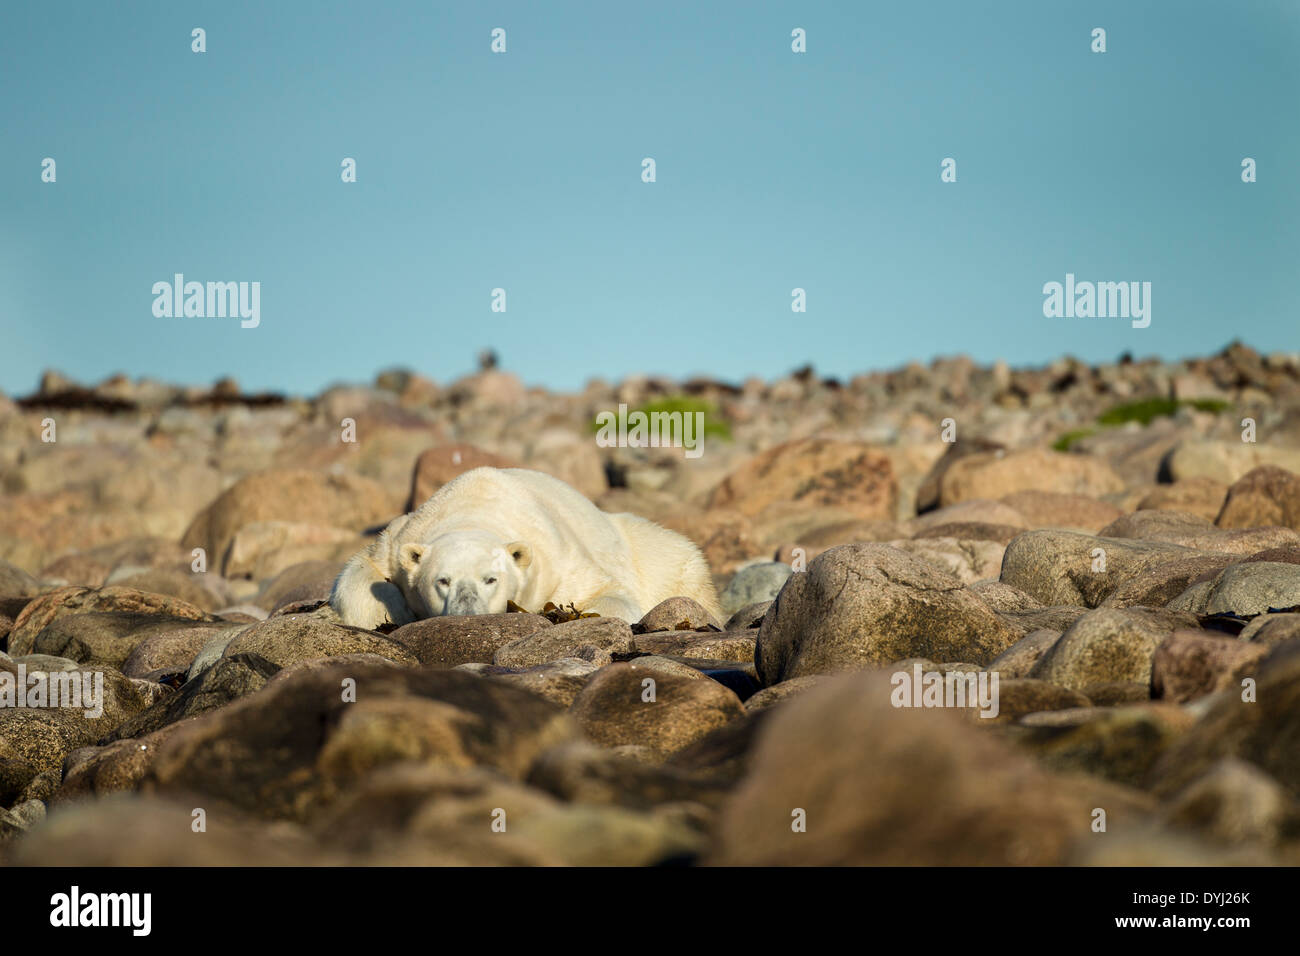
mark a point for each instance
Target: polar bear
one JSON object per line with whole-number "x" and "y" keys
{"x": 493, "y": 535}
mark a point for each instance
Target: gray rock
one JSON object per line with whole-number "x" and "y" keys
{"x": 1272, "y": 628}
{"x": 212, "y": 650}
{"x": 1063, "y": 567}
{"x": 228, "y": 679}
{"x": 1019, "y": 659}
{"x": 1192, "y": 600}
{"x": 299, "y": 637}
{"x": 1254, "y": 587}
{"x": 676, "y": 613}
{"x": 552, "y": 643}
{"x": 771, "y": 696}
{"x": 754, "y": 583}
{"x": 1109, "y": 644}
{"x": 749, "y": 616}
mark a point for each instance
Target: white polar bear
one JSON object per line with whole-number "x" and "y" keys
{"x": 494, "y": 535}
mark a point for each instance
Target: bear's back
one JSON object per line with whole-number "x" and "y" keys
{"x": 514, "y": 492}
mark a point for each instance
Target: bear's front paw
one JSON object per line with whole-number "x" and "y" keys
{"x": 373, "y": 612}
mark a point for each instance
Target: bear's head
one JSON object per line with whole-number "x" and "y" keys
{"x": 462, "y": 572}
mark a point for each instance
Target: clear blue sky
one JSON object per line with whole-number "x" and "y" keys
{"x": 522, "y": 171}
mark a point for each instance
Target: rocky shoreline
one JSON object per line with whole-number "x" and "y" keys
{"x": 1119, "y": 544}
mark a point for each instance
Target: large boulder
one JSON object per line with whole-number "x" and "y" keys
{"x": 866, "y": 605}
{"x": 344, "y": 501}
{"x": 840, "y": 776}
{"x": 994, "y": 474}
{"x": 127, "y": 607}
{"x": 1064, "y": 567}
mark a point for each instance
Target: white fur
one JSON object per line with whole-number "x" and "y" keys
{"x": 495, "y": 535}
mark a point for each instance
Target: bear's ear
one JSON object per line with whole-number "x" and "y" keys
{"x": 408, "y": 556}
{"x": 520, "y": 552}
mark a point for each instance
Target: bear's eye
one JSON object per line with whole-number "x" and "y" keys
{"x": 445, "y": 582}
{"x": 489, "y": 580}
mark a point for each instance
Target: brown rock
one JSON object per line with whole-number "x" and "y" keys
{"x": 879, "y": 785}
{"x": 1159, "y": 584}
{"x": 1052, "y": 509}
{"x": 1064, "y": 567}
{"x": 473, "y": 639}
{"x": 335, "y": 500}
{"x": 308, "y": 581}
{"x": 1117, "y": 743}
{"x": 1021, "y": 695}
{"x": 1267, "y": 495}
{"x": 989, "y": 475}
{"x": 1201, "y": 496}
{"x": 971, "y": 531}
{"x": 184, "y": 585}
{"x": 976, "y": 510}
{"x": 264, "y": 549}
{"x": 1191, "y": 531}
{"x": 1272, "y": 629}
{"x": 64, "y": 602}
{"x": 1191, "y": 664}
{"x": 812, "y": 472}
{"x": 928, "y": 493}
{"x": 615, "y": 708}
{"x": 1261, "y": 727}
{"x": 289, "y": 750}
